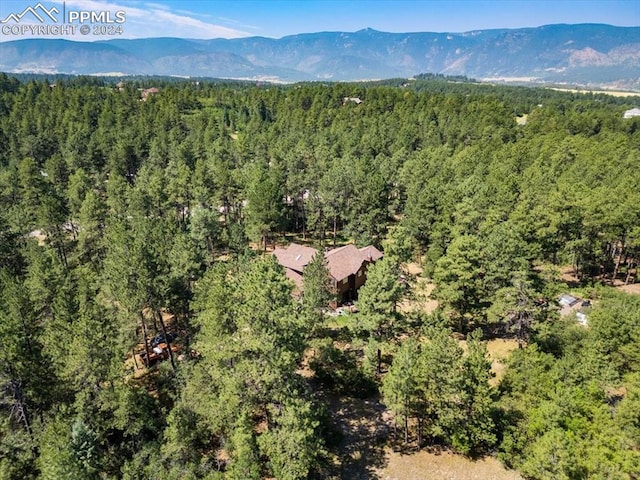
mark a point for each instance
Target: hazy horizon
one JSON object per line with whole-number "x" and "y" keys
{"x": 280, "y": 18}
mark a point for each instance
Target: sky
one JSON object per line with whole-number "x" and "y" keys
{"x": 278, "y": 18}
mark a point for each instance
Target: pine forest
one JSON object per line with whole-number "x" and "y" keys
{"x": 148, "y": 330}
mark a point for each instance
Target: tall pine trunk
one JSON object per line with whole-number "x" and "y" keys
{"x": 20, "y": 405}
{"x": 133, "y": 355}
{"x": 304, "y": 223}
{"x": 145, "y": 338}
{"x": 166, "y": 339}
{"x": 406, "y": 430}
{"x": 616, "y": 269}
{"x": 629, "y": 265}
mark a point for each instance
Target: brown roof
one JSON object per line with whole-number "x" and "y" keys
{"x": 341, "y": 262}
{"x": 344, "y": 261}
{"x": 295, "y": 276}
{"x": 371, "y": 253}
{"x": 295, "y": 256}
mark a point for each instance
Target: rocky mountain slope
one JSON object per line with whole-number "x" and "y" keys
{"x": 586, "y": 54}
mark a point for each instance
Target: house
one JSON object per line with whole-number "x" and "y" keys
{"x": 347, "y": 266}
{"x": 148, "y": 92}
{"x": 634, "y": 112}
{"x": 294, "y": 258}
{"x": 355, "y": 100}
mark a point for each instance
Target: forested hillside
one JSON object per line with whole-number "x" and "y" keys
{"x": 599, "y": 55}
{"x": 145, "y": 333}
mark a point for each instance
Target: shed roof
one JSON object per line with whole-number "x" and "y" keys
{"x": 567, "y": 300}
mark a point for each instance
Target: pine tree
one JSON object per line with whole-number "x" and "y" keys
{"x": 317, "y": 292}
{"x": 476, "y": 431}
{"x": 400, "y": 386}
{"x": 378, "y": 299}
{"x": 264, "y": 211}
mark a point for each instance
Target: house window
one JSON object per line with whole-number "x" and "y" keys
{"x": 344, "y": 281}
{"x": 359, "y": 273}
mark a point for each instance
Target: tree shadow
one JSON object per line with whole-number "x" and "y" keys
{"x": 365, "y": 427}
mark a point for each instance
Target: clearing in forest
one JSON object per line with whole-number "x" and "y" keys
{"x": 423, "y": 289}
{"x": 425, "y": 465}
{"x": 365, "y": 453}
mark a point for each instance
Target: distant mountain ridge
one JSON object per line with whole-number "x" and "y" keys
{"x": 586, "y": 54}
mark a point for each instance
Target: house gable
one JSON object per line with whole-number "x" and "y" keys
{"x": 344, "y": 261}
{"x": 371, "y": 253}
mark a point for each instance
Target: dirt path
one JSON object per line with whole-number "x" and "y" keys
{"x": 631, "y": 288}
{"x": 499, "y": 350}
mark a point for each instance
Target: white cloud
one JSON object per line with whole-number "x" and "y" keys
{"x": 156, "y": 20}
{"x": 158, "y": 6}
{"x": 238, "y": 24}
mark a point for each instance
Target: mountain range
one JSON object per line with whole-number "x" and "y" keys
{"x": 583, "y": 54}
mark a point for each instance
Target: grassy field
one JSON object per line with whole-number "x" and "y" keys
{"x": 427, "y": 465}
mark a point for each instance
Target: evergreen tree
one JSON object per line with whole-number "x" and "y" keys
{"x": 378, "y": 299}
{"x": 476, "y": 433}
{"x": 400, "y": 385}
{"x": 439, "y": 387}
{"x": 518, "y": 307}
{"x": 459, "y": 276}
{"x": 317, "y": 291}
{"x": 264, "y": 203}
